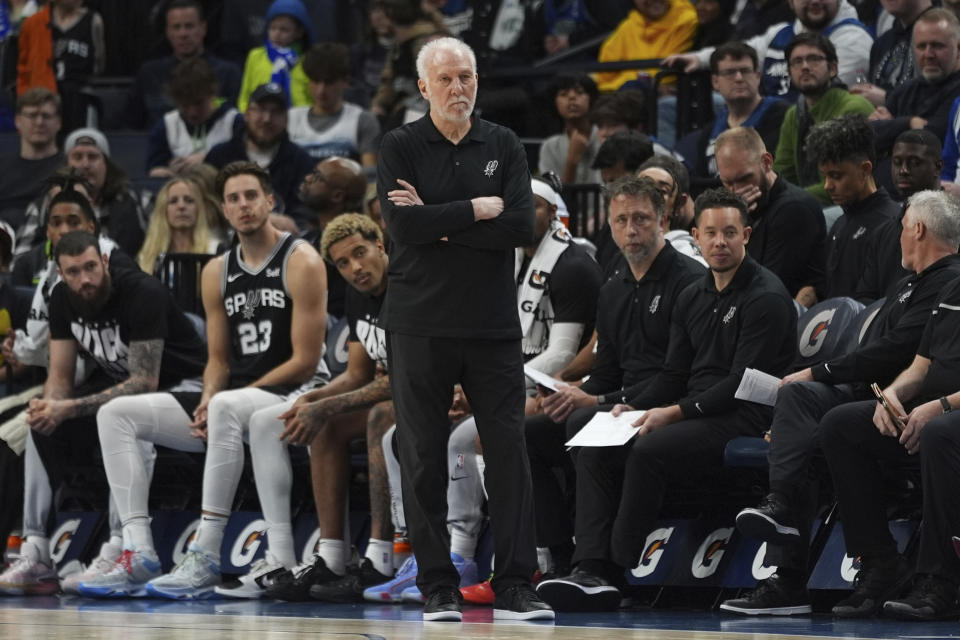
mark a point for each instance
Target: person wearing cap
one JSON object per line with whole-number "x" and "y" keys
{"x": 37, "y": 121}
{"x": 117, "y": 207}
{"x": 287, "y": 34}
{"x": 263, "y": 139}
{"x": 198, "y": 124}
{"x": 185, "y": 30}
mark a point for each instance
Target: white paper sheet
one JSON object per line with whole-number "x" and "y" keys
{"x": 757, "y": 386}
{"x": 543, "y": 379}
{"x": 604, "y": 430}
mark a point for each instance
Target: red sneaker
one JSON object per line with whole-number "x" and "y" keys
{"x": 479, "y": 593}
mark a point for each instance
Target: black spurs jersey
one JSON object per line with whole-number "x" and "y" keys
{"x": 259, "y": 312}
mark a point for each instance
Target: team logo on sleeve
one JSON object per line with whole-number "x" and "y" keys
{"x": 490, "y": 168}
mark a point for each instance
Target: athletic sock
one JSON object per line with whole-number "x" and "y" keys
{"x": 380, "y": 554}
{"x": 280, "y": 539}
{"x": 544, "y": 559}
{"x": 210, "y": 534}
{"x": 41, "y": 545}
{"x": 332, "y": 553}
{"x": 137, "y": 535}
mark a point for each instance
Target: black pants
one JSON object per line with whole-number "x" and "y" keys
{"x": 857, "y": 454}
{"x": 423, "y": 371}
{"x": 794, "y": 435}
{"x": 11, "y": 491}
{"x": 620, "y": 489}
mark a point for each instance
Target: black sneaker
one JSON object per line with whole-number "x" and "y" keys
{"x": 775, "y": 596}
{"x": 443, "y": 605}
{"x": 295, "y": 586}
{"x": 580, "y": 591}
{"x": 772, "y": 520}
{"x": 931, "y": 598}
{"x": 520, "y": 602}
{"x": 875, "y": 584}
{"x": 350, "y": 587}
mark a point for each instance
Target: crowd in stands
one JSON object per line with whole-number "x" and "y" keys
{"x": 824, "y": 166}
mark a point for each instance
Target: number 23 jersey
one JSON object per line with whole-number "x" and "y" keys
{"x": 259, "y": 312}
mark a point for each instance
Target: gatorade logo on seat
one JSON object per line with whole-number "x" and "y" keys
{"x": 248, "y": 543}
{"x": 759, "y": 570}
{"x": 815, "y": 333}
{"x": 849, "y": 568}
{"x": 183, "y": 541}
{"x": 62, "y": 538}
{"x": 312, "y": 546}
{"x": 708, "y": 556}
{"x": 652, "y": 552}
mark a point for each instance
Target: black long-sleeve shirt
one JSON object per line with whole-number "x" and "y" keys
{"x": 716, "y": 335}
{"x": 788, "y": 235}
{"x": 895, "y": 332}
{"x": 917, "y": 97}
{"x": 450, "y": 275}
{"x": 633, "y": 323}
{"x": 941, "y": 344}
{"x": 849, "y": 241}
{"x": 883, "y": 265}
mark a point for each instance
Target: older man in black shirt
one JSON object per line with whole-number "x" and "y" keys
{"x": 860, "y": 440}
{"x": 785, "y": 516}
{"x": 739, "y": 315}
{"x": 456, "y": 197}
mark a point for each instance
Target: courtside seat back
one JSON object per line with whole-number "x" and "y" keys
{"x": 862, "y": 323}
{"x": 825, "y": 330}
{"x": 336, "y": 352}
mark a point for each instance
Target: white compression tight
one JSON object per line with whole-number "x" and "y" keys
{"x": 464, "y": 487}
{"x": 38, "y": 494}
{"x": 159, "y": 418}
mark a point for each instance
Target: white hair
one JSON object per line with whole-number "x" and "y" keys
{"x": 940, "y": 212}
{"x": 434, "y": 48}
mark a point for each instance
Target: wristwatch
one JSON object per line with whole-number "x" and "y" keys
{"x": 946, "y": 405}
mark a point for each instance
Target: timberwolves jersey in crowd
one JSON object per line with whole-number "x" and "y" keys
{"x": 259, "y": 312}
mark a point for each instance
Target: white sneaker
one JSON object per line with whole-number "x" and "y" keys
{"x": 254, "y": 584}
{"x": 193, "y": 579}
{"x": 103, "y": 563}
{"x": 128, "y": 577}
{"x": 29, "y": 576}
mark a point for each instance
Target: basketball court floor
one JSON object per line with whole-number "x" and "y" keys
{"x": 81, "y": 619}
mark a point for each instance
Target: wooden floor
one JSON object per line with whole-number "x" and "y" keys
{"x": 75, "y": 619}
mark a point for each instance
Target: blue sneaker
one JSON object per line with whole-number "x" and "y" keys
{"x": 468, "y": 576}
{"x": 193, "y": 579}
{"x": 392, "y": 590}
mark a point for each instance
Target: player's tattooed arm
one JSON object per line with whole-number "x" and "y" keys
{"x": 144, "y": 364}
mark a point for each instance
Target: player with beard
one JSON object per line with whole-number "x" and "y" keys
{"x": 263, "y": 140}
{"x": 121, "y": 319}
{"x": 265, "y": 327}
{"x": 788, "y": 228}
{"x": 737, "y": 315}
{"x": 813, "y": 68}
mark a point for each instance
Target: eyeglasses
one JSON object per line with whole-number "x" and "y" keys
{"x": 316, "y": 176}
{"x": 810, "y": 60}
{"x": 733, "y": 73}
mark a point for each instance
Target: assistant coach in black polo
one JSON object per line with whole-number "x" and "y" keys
{"x": 455, "y": 194}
